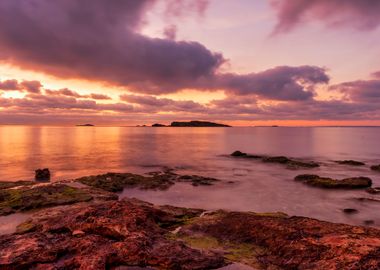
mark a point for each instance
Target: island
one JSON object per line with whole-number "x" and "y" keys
{"x": 85, "y": 125}
{"x": 197, "y": 124}
{"x": 158, "y": 125}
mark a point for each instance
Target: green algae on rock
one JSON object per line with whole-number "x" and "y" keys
{"x": 115, "y": 182}
{"x": 23, "y": 199}
{"x": 325, "y": 182}
{"x": 5, "y": 184}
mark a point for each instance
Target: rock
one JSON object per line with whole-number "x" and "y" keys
{"x": 350, "y": 162}
{"x": 42, "y": 174}
{"x": 197, "y": 124}
{"x": 350, "y": 211}
{"x": 78, "y": 233}
{"x": 5, "y": 185}
{"x": 375, "y": 168}
{"x": 366, "y": 199}
{"x": 374, "y": 190}
{"x": 197, "y": 180}
{"x": 282, "y": 242}
{"x": 115, "y": 182}
{"x": 26, "y": 198}
{"x": 245, "y": 155}
{"x": 158, "y": 125}
{"x": 238, "y": 154}
{"x": 115, "y": 234}
{"x": 290, "y": 162}
{"x": 369, "y": 222}
{"x": 324, "y": 182}
{"x": 126, "y": 233}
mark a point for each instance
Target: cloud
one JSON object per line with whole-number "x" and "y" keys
{"x": 170, "y": 32}
{"x": 154, "y": 104}
{"x": 360, "y": 91}
{"x": 376, "y": 74}
{"x": 63, "y": 92}
{"x": 99, "y": 96}
{"x": 99, "y": 40}
{"x": 9, "y": 85}
{"x": 360, "y": 14}
{"x": 71, "y": 93}
{"x": 279, "y": 83}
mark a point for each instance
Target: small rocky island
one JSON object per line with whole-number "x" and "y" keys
{"x": 192, "y": 124}
{"x": 85, "y": 125}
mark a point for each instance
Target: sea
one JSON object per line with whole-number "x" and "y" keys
{"x": 246, "y": 185}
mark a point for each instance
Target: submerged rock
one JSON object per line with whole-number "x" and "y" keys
{"x": 132, "y": 233}
{"x": 350, "y": 162}
{"x": 115, "y": 182}
{"x": 42, "y": 174}
{"x": 22, "y": 199}
{"x": 325, "y": 182}
{"x": 374, "y": 190}
{"x": 375, "y": 168}
{"x": 290, "y": 163}
{"x": 350, "y": 211}
{"x": 245, "y": 155}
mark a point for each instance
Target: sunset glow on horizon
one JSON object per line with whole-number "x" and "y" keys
{"x": 243, "y": 63}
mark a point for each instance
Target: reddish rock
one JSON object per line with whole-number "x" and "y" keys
{"x": 112, "y": 234}
{"x": 122, "y": 234}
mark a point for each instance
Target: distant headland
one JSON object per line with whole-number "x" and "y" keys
{"x": 192, "y": 124}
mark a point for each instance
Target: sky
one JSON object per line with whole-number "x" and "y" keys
{"x": 239, "y": 62}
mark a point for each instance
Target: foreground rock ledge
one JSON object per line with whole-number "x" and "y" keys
{"x": 134, "y": 233}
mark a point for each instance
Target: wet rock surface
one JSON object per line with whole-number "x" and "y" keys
{"x": 350, "y": 162}
{"x": 115, "y": 182}
{"x": 5, "y": 185}
{"x": 290, "y": 163}
{"x": 132, "y": 233}
{"x": 375, "y": 168}
{"x": 325, "y": 182}
{"x": 28, "y": 198}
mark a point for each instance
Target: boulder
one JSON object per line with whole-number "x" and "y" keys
{"x": 42, "y": 174}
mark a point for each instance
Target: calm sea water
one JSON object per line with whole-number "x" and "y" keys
{"x": 77, "y": 151}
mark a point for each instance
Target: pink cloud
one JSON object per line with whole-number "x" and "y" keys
{"x": 360, "y": 14}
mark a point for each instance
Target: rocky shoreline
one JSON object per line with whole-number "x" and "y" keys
{"x": 84, "y": 225}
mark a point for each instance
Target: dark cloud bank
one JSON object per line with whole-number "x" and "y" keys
{"x": 100, "y": 40}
